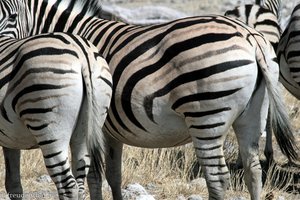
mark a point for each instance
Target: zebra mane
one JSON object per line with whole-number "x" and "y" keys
{"x": 90, "y": 7}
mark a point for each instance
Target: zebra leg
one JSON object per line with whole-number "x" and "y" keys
{"x": 55, "y": 154}
{"x": 12, "y": 169}
{"x": 208, "y": 135}
{"x": 80, "y": 154}
{"x": 248, "y": 127}
{"x": 94, "y": 183}
{"x": 114, "y": 165}
{"x": 113, "y": 171}
{"x": 80, "y": 162}
{"x": 268, "y": 151}
{"x": 209, "y": 151}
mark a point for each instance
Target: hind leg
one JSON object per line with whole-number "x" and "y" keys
{"x": 114, "y": 165}
{"x": 208, "y": 135}
{"x": 209, "y": 151}
{"x": 265, "y": 126}
{"x": 12, "y": 173}
{"x": 80, "y": 155}
{"x": 247, "y": 128}
{"x": 56, "y": 159}
{"x": 80, "y": 161}
{"x": 113, "y": 171}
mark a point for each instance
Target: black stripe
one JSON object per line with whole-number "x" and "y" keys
{"x": 52, "y": 155}
{"x": 60, "y": 164}
{"x": 61, "y": 173}
{"x": 211, "y": 157}
{"x": 214, "y": 165}
{"x": 35, "y": 111}
{"x": 293, "y": 54}
{"x": 64, "y": 181}
{"x": 203, "y": 96}
{"x": 270, "y": 23}
{"x": 207, "y": 126}
{"x": 4, "y": 113}
{"x": 82, "y": 168}
{"x": 33, "y": 88}
{"x": 70, "y": 185}
{"x": 209, "y": 148}
{"x": 248, "y": 9}
{"x": 37, "y": 128}
{"x": 219, "y": 173}
{"x": 210, "y": 138}
{"x": 293, "y": 69}
{"x": 206, "y": 113}
{"x": 106, "y": 81}
{"x": 46, "y": 142}
{"x": 81, "y": 177}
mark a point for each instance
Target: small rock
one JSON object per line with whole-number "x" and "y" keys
{"x": 238, "y": 198}
{"x": 280, "y": 198}
{"x": 194, "y": 197}
{"x": 136, "y": 189}
{"x": 144, "y": 197}
{"x": 137, "y": 192}
{"x": 44, "y": 179}
{"x": 181, "y": 197}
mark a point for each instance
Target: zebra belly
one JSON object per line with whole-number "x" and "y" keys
{"x": 159, "y": 137}
{"x": 167, "y": 130}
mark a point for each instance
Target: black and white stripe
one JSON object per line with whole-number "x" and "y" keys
{"x": 264, "y": 18}
{"x": 288, "y": 54}
{"x": 189, "y": 79}
{"x": 50, "y": 85}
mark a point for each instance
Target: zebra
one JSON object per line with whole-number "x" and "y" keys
{"x": 270, "y": 27}
{"x": 264, "y": 17}
{"x": 287, "y": 54}
{"x": 193, "y": 96}
{"x": 52, "y": 88}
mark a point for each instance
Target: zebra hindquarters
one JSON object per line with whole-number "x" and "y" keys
{"x": 49, "y": 107}
{"x": 210, "y": 119}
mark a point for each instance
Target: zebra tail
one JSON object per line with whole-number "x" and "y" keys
{"x": 98, "y": 83}
{"x": 280, "y": 121}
